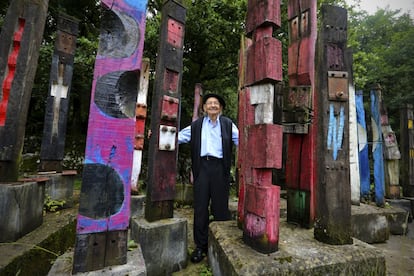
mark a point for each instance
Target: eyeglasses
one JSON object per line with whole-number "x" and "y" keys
{"x": 212, "y": 103}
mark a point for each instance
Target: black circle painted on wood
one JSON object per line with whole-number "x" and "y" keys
{"x": 116, "y": 94}
{"x": 102, "y": 192}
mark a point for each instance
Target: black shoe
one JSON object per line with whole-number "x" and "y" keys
{"x": 198, "y": 255}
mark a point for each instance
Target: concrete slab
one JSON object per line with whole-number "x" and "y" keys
{"x": 163, "y": 244}
{"x": 137, "y": 206}
{"x": 59, "y": 187}
{"x": 299, "y": 254}
{"x": 135, "y": 266}
{"x": 34, "y": 253}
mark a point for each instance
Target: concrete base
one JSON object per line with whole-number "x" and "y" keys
{"x": 404, "y": 204}
{"x": 59, "y": 187}
{"x": 21, "y": 208}
{"x": 373, "y": 224}
{"x": 184, "y": 194}
{"x": 34, "y": 253}
{"x": 135, "y": 266}
{"x": 137, "y": 206}
{"x": 163, "y": 244}
{"x": 299, "y": 254}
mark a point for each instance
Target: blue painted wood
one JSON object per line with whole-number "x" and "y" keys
{"x": 364, "y": 172}
{"x": 377, "y": 150}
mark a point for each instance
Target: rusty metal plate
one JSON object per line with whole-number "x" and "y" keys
{"x": 167, "y": 138}
{"x": 66, "y": 43}
{"x": 338, "y": 86}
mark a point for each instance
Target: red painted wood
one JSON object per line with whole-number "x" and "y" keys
{"x": 264, "y": 57}
{"x": 301, "y": 169}
{"x": 12, "y": 61}
{"x": 171, "y": 81}
{"x": 262, "y": 13}
{"x": 265, "y": 146}
{"x": 169, "y": 108}
{"x": 175, "y": 33}
{"x": 262, "y": 217}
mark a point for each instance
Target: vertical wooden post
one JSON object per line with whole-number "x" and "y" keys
{"x": 333, "y": 69}
{"x": 21, "y": 36}
{"x": 364, "y": 171}
{"x": 245, "y": 119}
{"x": 141, "y": 115}
{"x": 162, "y": 153}
{"x": 353, "y": 147}
{"x": 103, "y": 219}
{"x": 261, "y": 140}
{"x": 392, "y": 156}
{"x": 377, "y": 149}
{"x": 299, "y": 110}
{"x": 407, "y": 150}
{"x": 56, "y": 114}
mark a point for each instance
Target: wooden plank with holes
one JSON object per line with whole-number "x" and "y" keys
{"x": 333, "y": 207}
{"x": 299, "y": 113}
{"x": 162, "y": 151}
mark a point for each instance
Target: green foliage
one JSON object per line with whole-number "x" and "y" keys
{"x": 53, "y": 205}
{"x": 205, "y": 270}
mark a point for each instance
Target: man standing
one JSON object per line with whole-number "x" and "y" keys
{"x": 211, "y": 138}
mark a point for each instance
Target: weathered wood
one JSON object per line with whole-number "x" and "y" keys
{"x": 377, "y": 150}
{"x": 391, "y": 156}
{"x": 97, "y": 250}
{"x": 56, "y": 114}
{"x": 261, "y": 141}
{"x": 21, "y": 36}
{"x": 333, "y": 207}
{"x": 140, "y": 117}
{"x": 162, "y": 153}
{"x": 353, "y": 147}
{"x": 300, "y": 109}
{"x": 104, "y": 205}
{"x": 407, "y": 150}
{"x": 364, "y": 170}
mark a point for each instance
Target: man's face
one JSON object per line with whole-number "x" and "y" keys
{"x": 212, "y": 106}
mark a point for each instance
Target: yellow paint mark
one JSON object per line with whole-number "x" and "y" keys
{"x": 411, "y": 153}
{"x": 410, "y": 124}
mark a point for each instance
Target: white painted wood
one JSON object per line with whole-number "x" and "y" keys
{"x": 141, "y": 99}
{"x": 262, "y": 97}
{"x": 353, "y": 149}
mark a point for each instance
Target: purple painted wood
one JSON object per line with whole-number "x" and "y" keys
{"x": 106, "y": 180}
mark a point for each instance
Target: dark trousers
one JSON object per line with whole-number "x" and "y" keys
{"x": 211, "y": 184}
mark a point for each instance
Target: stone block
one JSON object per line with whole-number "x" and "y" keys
{"x": 21, "y": 209}
{"x": 59, "y": 187}
{"x": 137, "y": 206}
{"x": 163, "y": 244}
{"x": 135, "y": 266}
